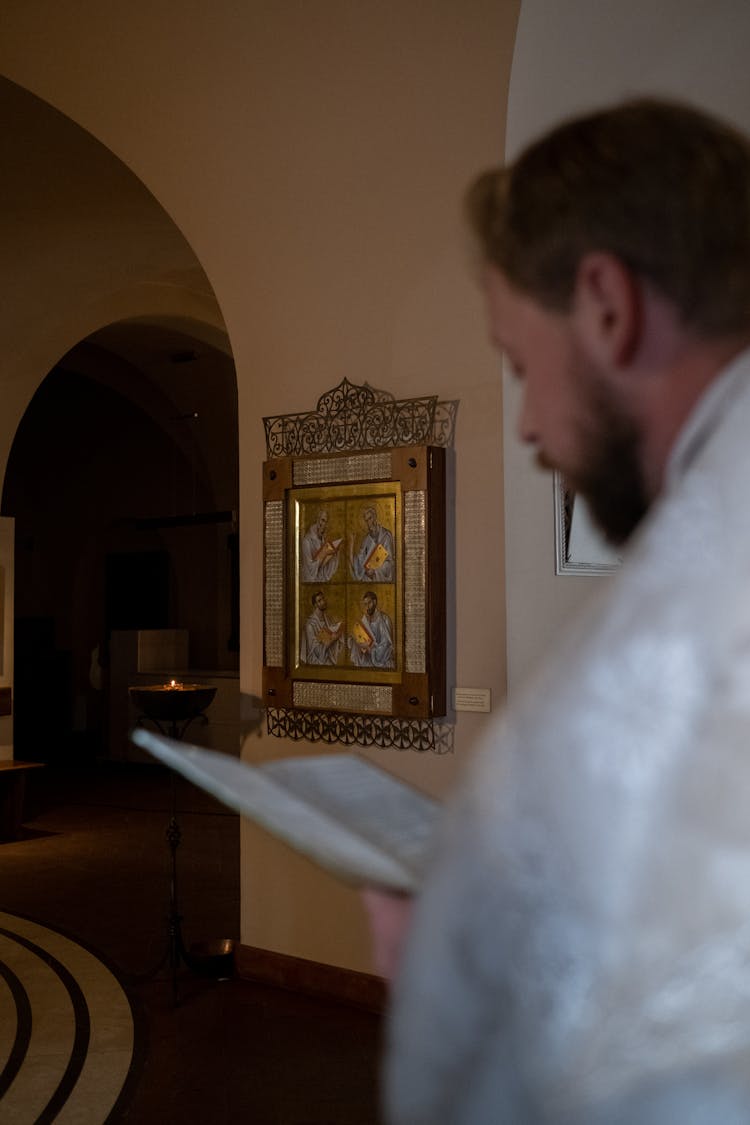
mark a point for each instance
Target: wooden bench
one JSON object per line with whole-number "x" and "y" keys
{"x": 12, "y": 789}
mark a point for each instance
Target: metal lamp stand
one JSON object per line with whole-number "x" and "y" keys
{"x": 174, "y": 726}
{"x": 175, "y": 951}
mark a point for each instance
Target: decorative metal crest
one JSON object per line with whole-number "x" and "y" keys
{"x": 360, "y": 730}
{"x": 351, "y": 416}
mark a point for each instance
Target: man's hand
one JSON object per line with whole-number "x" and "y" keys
{"x": 390, "y": 917}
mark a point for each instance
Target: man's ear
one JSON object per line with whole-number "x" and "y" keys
{"x": 607, "y": 308}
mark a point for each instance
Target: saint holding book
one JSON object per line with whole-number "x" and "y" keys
{"x": 374, "y": 561}
{"x": 371, "y": 640}
{"x": 322, "y": 638}
{"x": 319, "y": 554}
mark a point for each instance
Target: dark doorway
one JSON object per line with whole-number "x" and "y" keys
{"x": 122, "y": 460}
{"x": 136, "y": 590}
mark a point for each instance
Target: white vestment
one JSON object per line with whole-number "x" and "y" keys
{"x": 317, "y": 645}
{"x": 312, "y": 567}
{"x": 581, "y": 951}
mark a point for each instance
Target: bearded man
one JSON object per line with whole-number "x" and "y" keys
{"x": 371, "y": 645}
{"x": 580, "y": 953}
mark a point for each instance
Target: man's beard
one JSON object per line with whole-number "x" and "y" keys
{"x": 609, "y": 477}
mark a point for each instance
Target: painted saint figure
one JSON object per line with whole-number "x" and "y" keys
{"x": 371, "y": 640}
{"x": 321, "y": 641}
{"x": 374, "y": 560}
{"x": 319, "y": 555}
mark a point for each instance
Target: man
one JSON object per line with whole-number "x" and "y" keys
{"x": 371, "y": 642}
{"x": 322, "y": 640}
{"x": 580, "y": 953}
{"x": 374, "y": 560}
{"x": 320, "y": 555}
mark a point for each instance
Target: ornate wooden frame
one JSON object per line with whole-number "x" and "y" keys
{"x": 337, "y": 695}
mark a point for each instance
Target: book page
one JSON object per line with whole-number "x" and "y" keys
{"x": 356, "y": 820}
{"x": 361, "y": 635}
{"x": 376, "y": 558}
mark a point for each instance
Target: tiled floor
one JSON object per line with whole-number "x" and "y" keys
{"x": 66, "y": 1029}
{"x": 93, "y": 862}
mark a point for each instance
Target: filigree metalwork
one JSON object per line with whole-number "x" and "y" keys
{"x": 444, "y": 423}
{"x": 359, "y": 417}
{"x": 388, "y": 732}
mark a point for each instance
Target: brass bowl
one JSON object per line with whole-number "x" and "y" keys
{"x": 168, "y": 704}
{"x": 213, "y": 958}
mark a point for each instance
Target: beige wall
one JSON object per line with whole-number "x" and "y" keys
{"x": 313, "y": 156}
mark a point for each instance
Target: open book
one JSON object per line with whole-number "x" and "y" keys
{"x": 327, "y": 549}
{"x": 354, "y": 819}
{"x": 362, "y": 635}
{"x": 326, "y": 635}
{"x": 377, "y": 556}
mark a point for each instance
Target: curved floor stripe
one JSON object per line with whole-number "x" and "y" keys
{"x": 82, "y": 1028}
{"x": 51, "y": 1031}
{"x": 72, "y": 1052}
{"x": 22, "y": 1036}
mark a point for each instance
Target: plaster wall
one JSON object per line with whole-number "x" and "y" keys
{"x": 568, "y": 58}
{"x": 314, "y": 157}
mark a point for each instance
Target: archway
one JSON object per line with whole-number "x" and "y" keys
{"x": 122, "y": 479}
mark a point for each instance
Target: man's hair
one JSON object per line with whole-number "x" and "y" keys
{"x": 370, "y": 596}
{"x": 662, "y": 186}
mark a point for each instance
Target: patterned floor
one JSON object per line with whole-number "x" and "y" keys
{"x": 92, "y": 863}
{"x": 66, "y": 1029}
